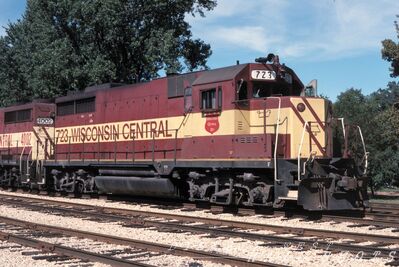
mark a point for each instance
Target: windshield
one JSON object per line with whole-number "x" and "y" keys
{"x": 266, "y": 89}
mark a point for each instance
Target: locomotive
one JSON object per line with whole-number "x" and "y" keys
{"x": 248, "y": 134}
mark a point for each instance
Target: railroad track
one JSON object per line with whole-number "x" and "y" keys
{"x": 61, "y": 253}
{"x": 378, "y": 215}
{"x": 216, "y": 227}
{"x": 377, "y": 218}
{"x": 374, "y": 218}
{"x": 143, "y": 218}
{"x": 137, "y": 244}
{"x": 385, "y": 208}
{"x": 384, "y": 205}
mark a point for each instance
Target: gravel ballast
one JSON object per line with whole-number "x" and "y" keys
{"x": 11, "y": 256}
{"x": 253, "y": 250}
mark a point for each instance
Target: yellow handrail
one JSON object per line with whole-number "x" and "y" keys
{"x": 277, "y": 133}
{"x": 300, "y": 149}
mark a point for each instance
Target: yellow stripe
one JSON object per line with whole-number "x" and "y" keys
{"x": 21, "y": 139}
{"x": 318, "y": 105}
{"x": 230, "y": 122}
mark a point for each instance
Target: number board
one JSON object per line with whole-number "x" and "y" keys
{"x": 44, "y": 121}
{"x": 263, "y": 75}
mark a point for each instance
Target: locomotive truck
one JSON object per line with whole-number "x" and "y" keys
{"x": 247, "y": 134}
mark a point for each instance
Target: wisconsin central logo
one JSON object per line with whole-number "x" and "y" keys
{"x": 212, "y": 124}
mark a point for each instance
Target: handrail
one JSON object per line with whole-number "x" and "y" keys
{"x": 27, "y": 164}
{"x": 300, "y": 149}
{"x": 277, "y": 133}
{"x": 20, "y": 158}
{"x": 343, "y": 126}
{"x": 183, "y": 122}
{"x": 366, "y": 154}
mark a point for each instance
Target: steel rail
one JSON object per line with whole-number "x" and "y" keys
{"x": 384, "y": 205}
{"x": 360, "y": 216}
{"x": 312, "y": 243}
{"x": 392, "y": 208}
{"x": 47, "y": 247}
{"x": 284, "y": 241}
{"x": 357, "y": 216}
{"x": 115, "y": 214}
{"x": 377, "y": 220}
{"x": 376, "y": 206}
{"x": 363, "y": 217}
{"x": 382, "y": 215}
{"x": 160, "y": 248}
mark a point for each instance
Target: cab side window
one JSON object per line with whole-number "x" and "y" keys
{"x": 18, "y": 116}
{"x": 84, "y": 105}
{"x": 208, "y": 99}
{"x": 242, "y": 90}
{"x": 211, "y": 99}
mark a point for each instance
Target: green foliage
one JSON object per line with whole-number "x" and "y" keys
{"x": 352, "y": 106}
{"x": 384, "y": 154}
{"x": 390, "y": 52}
{"x": 67, "y": 45}
{"x": 378, "y": 118}
{"x": 384, "y": 99}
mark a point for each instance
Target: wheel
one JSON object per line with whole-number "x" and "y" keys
{"x": 79, "y": 188}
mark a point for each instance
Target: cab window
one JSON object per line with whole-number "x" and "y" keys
{"x": 211, "y": 99}
{"x": 208, "y": 99}
{"x": 242, "y": 90}
{"x": 266, "y": 89}
{"x": 18, "y": 116}
{"x": 84, "y": 105}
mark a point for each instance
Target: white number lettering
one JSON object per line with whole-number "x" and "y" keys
{"x": 263, "y": 75}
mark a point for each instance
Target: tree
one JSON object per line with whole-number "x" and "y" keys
{"x": 384, "y": 99}
{"x": 384, "y": 166}
{"x": 67, "y": 45}
{"x": 352, "y": 106}
{"x": 13, "y": 80}
{"x": 390, "y": 52}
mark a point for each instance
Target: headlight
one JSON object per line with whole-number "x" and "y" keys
{"x": 301, "y": 107}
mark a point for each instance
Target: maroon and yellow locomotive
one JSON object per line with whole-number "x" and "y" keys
{"x": 239, "y": 135}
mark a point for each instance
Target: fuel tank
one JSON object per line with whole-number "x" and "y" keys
{"x": 138, "y": 186}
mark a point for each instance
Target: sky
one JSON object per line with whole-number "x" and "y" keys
{"x": 337, "y": 42}
{"x": 10, "y": 11}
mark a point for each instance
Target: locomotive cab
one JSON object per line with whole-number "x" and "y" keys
{"x": 26, "y": 143}
{"x": 282, "y": 139}
{"x": 297, "y": 136}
